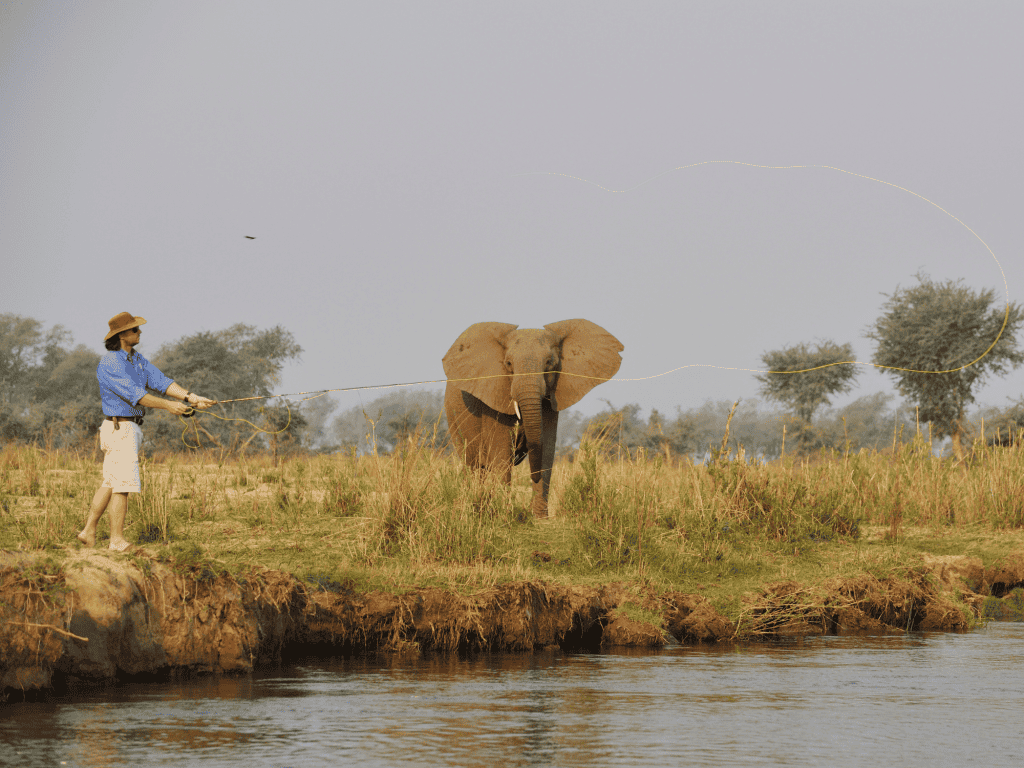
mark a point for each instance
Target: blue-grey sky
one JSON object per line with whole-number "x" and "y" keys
{"x": 405, "y": 168}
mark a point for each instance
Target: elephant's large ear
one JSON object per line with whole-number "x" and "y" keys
{"x": 590, "y": 355}
{"x": 475, "y": 363}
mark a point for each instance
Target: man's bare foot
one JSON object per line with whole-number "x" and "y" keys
{"x": 87, "y": 539}
{"x": 120, "y": 545}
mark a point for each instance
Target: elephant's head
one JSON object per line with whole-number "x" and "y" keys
{"x": 505, "y": 367}
{"x": 533, "y": 373}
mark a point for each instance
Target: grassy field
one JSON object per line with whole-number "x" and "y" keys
{"x": 419, "y": 518}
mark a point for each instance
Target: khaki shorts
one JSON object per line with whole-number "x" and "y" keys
{"x": 121, "y": 456}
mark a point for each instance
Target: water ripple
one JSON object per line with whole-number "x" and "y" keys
{"x": 915, "y": 700}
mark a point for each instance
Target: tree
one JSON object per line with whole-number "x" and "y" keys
{"x": 231, "y": 365}
{"x": 1003, "y": 425}
{"x": 822, "y": 374}
{"x": 66, "y": 407}
{"x": 571, "y": 425}
{"x": 697, "y": 430}
{"x": 619, "y": 427}
{"x": 315, "y": 411}
{"x": 866, "y": 423}
{"x": 939, "y": 340}
{"x": 20, "y": 339}
{"x": 285, "y": 426}
{"x": 24, "y": 348}
{"x": 392, "y": 418}
{"x": 47, "y": 391}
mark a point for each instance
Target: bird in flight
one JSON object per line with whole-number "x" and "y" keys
{"x": 249, "y": 237}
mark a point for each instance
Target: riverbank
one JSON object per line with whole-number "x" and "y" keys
{"x": 238, "y": 562}
{"x": 93, "y": 617}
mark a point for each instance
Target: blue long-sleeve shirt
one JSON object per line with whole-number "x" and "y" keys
{"x": 123, "y": 382}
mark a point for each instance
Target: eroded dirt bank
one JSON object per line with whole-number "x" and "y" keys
{"x": 94, "y": 618}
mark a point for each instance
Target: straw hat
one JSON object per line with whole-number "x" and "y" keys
{"x": 123, "y": 322}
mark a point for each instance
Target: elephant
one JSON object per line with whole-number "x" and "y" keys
{"x": 506, "y": 386}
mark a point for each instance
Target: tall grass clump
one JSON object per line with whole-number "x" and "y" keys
{"x": 613, "y": 504}
{"x": 344, "y": 487}
{"x": 155, "y": 507}
{"x": 995, "y": 481}
{"x": 667, "y": 518}
{"x": 43, "y": 496}
{"x": 471, "y": 520}
{"x": 428, "y": 508}
{"x": 910, "y": 485}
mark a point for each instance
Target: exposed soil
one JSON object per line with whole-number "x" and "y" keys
{"x": 94, "y": 618}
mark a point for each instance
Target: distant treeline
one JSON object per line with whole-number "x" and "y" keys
{"x": 49, "y": 395}
{"x": 872, "y": 421}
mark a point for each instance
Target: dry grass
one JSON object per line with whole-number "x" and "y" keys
{"x": 418, "y": 518}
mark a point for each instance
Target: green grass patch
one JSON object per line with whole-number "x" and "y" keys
{"x": 634, "y": 612}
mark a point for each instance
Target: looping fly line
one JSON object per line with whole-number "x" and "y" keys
{"x": 1006, "y": 287}
{"x": 195, "y": 422}
{"x": 1006, "y": 316}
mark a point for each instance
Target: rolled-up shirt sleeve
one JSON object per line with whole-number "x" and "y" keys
{"x": 155, "y": 378}
{"x": 123, "y": 383}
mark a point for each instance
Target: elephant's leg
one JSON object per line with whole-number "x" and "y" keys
{"x": 548, "y": 456}
{"x": 464, "y": 426}
{"x": 496, "y": 445}
{"x": 482, "y": 433}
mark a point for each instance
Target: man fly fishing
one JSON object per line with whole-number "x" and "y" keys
{"x": 124, "y": 376}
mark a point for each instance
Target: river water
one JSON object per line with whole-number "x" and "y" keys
{"x": 913, "y": 700}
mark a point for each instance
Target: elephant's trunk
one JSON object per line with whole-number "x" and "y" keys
{"x": 528, "y": 392}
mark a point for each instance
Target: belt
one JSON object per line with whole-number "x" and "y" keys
{"x": 116, "y": 419}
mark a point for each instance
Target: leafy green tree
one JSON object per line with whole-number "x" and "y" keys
{"x": 236, "y": 365}
{"x": 867, "y": 423}
{"x": 67, "y": 374}
{"x": 21, "y": 339}
{"x": 284, "y": 425}
{"x": 626, "y": 428}
{"x": 571, "y": 425}
{"x": 389, "y": 420}
{"x": 1002, "y": 426}
{"x": 12, "y": 424}
{"x": 758, "y": 432}
{"x": 66, "y": 406}
{"x": 684, "y": 433}
{"x": 822, "y": 375}
{"x": 48, "y": 391}
{"x": 19, "y": 342}
{"x": 940, "y": 340}
{"x": 693, "y": 432}
{"x": 619, "y": 427}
